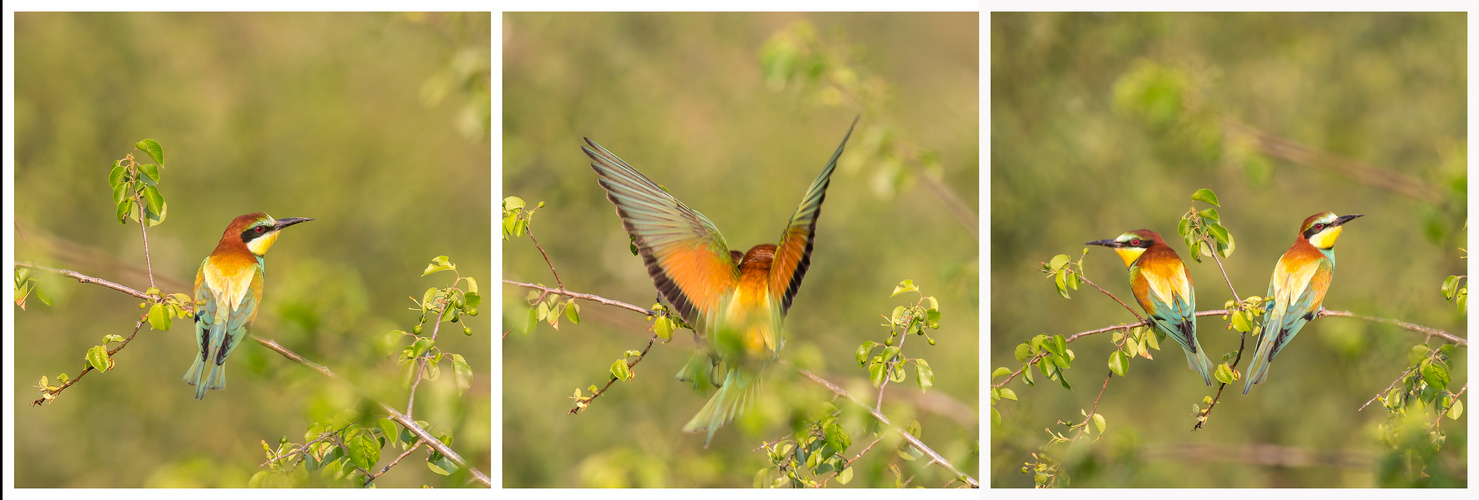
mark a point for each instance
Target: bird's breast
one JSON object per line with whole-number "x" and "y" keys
{"x": 229, "y": 279}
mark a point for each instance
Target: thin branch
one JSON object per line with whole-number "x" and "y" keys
{"x": 1224, "y": 271}
{"x": 529, "y": 228}
{"x": 392, "y": 463}
{"x": 1300, "y": 154}
{"x": 1116, "y": 299}
{"x": 1400, "y": 324}
{"x": 1206, "y": 414}
{"x": 1084, "y": 427}
{"x": 421, "y": 362}
{"x": 582, "y": 296}
{"x": 612, "y": 380}
{"x": 88, "y": 366}
{"x": 1415, "y": 366}
{"x": 1444, "y": 411}
{"x": 301, "y": 449}
{"x": 849, "y": 461}
{"x": 934, "y": 457}
{"x": 82, "y": 278}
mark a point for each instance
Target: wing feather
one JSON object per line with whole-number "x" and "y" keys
{"x": 793, "y": 254}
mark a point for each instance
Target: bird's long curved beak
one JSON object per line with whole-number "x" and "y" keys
{"x": 282, "y": 223}
{"x": 1106, "y": 243}
{"x": 1344, "y": 219}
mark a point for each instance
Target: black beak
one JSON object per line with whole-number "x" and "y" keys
{"x": 1344, "y": 219}
{"x": 282, "y": 223}
{"x": 1106, "y": 243}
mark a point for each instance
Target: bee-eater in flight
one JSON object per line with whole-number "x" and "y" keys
{"x": 228, "y": 291}
{"x": 1297, "y": 289}
{"x": 735, "y": 300}
{"x": 1162, "y": 285}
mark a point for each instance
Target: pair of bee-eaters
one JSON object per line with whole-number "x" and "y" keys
{"x": 1162, "y": 285}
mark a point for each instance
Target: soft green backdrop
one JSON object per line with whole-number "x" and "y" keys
{"x": 1077, "y": 155}
{"x": 682, "y": 98}
{"x": 374, "y": 124}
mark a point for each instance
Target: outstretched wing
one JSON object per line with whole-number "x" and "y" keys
{"x": 793, "y": 254}
{"x": 685, "y": 254}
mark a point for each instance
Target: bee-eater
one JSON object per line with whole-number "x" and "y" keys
{"x": 1297, "y": 289}
{"x": 736, "y": 301}
{"x": 228, "y": 289}
{"x": 1162, "y": 285}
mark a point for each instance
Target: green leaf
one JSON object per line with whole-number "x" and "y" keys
{"x": 364, "y": 451}
{"x": 159, "y": 318}
{"x": 995, "y": 417}
{"x": 513, "y": 203}
{"x": 1240, "y": 323}
{"x": 1118, "y": 361}
{"x": 1058, "y": 279}
{"x": 390, "y": 430}
{"x": 531, "y": 320}
{"x": 122, "y": 192}
{"x": 151, "y": 171}
{"x": 153, "y": 200}
{"x": 620, "y": 370}
{"x": 1435, "y": 373}
{"x": 472, "y": 299}
{"x": 864, "y": 350}
{"x": 876, "y": 371}
{"x": 1007, "y": 393}
{"x": 837, "y": 438}
{"x": 152, "y": 148}
{"x": 663, "y": 327}
{"x": 1023, "y": 352}
{"x": 924, "y": 375}
{"x": 422, "y": 345}
{"x": 572, "y": 312}
{"x": 1184, "y": 227}
{"x": 439, "y": 264}
{"x": 904, "y": 287}
{"x": 1218, "y": 232}
{"x": 1209, "y": 214}
{"x": 1417, "y": 354}
{"x": 109, "y": 338}
{"x": 116, "y": 176}
{"x": 1099, "y": 422}
{"x": 844, "y": 476}
{"x": 156, "y": 218}
{"x": 1205, "y": 195}
{"x": 1058, "y": 262}
{"x": 1001, "y": 372}
{"x": 98, "y": 357}
{"x": 462, "y": 372}
{"x": 1223, "y": 374}
{"x": 1457, "y": 410}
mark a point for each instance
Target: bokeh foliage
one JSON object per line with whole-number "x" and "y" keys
{"x": 1102, "y": 123}
{"x": 685, "y": 98}
{"x": 369, "y": 123}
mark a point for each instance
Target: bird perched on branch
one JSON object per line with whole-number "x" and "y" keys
{"x": 228, "y": 291}
{"x": 1162, "y": 285}
{"x": 1297, "y": 289}
{"x": 734, "y": 300}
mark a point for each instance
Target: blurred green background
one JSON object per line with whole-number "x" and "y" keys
{"x": 374, "y": 124}
{"x": 1104, "y": 123}
{"x": 682, "y": 97}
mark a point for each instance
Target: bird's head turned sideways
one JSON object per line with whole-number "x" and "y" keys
{"x": 1322, "y": 229}
{"x": 257, "y": 231}
{"x": 1130, "y": 245}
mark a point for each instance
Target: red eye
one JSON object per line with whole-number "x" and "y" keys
{"x": 1319, "y": 226}
{"x": 261, "y": 229}
{"x": 1135, "y": 242}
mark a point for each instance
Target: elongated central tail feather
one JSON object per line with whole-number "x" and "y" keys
{"x": 1198, "y": 361}
{"x": 1258, "y": 369}
{"x": 736, "y": 396}
{"x": 215, "y": 378}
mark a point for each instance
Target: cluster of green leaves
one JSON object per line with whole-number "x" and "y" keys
{"x": 339, "y": 453}
{"x": 136, "y": 185}
{"x": 799, "y": 460}
{"x": 1411, "y": 432}
{"x": 1244, "y": 317}
{"x": 517, "y": 216}
{"x": 549, "y": 308}
{"x": 890, "y": 362}
{"x": 439, "y": 305}
{"x": 1202, "y": 229}
{"x": 25, "y": 283}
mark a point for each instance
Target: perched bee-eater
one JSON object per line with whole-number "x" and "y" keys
{"x": 228, "y": 289}
{"x": 736, "y": 301}
{"x": 1297, "y": 289}
{"x": 1162, "y": 285}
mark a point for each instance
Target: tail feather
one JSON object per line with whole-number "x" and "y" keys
{"x": 196, "y": 376}
{"x": 211, "y": 355}
{"x": 736, "y": 396}
{"x": 1258, "y": 369}
{"x": 1198, "y": 361}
